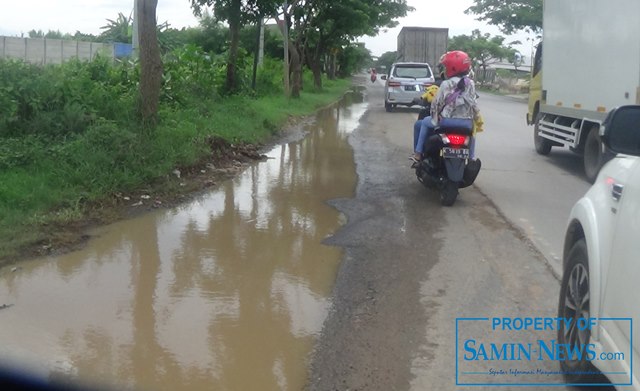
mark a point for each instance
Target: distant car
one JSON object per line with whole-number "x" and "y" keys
{"x": 406, "y": 83}
{"x": 601, "y": 266}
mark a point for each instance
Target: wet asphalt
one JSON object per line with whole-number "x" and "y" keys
{"x": 412, "y": 267}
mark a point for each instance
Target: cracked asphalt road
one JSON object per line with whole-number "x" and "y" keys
{"x": 411, "y": 267}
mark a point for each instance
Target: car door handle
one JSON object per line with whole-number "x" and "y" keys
{"x": 616, "y": 191}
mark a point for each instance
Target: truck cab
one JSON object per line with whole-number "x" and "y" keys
{"x": 535, "y": 87}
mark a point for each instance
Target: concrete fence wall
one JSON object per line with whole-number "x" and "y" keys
{"x": 53, "y": 51}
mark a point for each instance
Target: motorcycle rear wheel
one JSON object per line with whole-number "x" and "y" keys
{"x": 448, "y": 193}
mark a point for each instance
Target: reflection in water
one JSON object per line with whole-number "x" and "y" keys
{"x": 225, "y": 293}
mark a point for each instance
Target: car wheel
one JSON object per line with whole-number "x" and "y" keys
{"x": 574, "y": 304}
{"x": 593, "y": 158}
{"x": 388, "y": 107}
{"x": 543, "y": 146}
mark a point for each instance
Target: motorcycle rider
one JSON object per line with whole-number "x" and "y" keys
{"x": 427, "y": 98}
{"x": 455, "y": 104}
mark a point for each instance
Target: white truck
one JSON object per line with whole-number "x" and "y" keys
{"x": 422, "y": 44}
{"x": 589, "y": 64}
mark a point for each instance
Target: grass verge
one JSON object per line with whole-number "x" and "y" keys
{"x": 60, "y": 188}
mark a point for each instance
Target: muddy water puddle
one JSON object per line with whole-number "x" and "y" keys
{"x": 227, "y": 292}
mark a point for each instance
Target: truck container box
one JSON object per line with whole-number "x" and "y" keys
{"x": 422, "y": 44}
{"x": 591, "y": 55}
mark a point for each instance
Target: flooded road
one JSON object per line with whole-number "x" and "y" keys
{"x": 227, "y": 292}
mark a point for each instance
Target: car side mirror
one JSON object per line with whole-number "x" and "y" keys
{"x": 383, "y": 77}
{"x": 621, "y": 133}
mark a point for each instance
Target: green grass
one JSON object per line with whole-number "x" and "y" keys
{"x": 46, "y": 182}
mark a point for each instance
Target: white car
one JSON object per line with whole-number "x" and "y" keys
{"x": 406, "y": 82}
{"x": 601, "y": 278}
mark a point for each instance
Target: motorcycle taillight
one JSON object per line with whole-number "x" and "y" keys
{"x": 457, "y": 140}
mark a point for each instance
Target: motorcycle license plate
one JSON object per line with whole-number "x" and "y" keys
{"x": 452, "y": 153}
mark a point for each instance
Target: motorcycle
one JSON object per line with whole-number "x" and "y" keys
{"x": 425, "y": 108}
{"x": 447, "y": 165}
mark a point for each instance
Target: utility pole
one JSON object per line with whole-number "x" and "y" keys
{"x": 257, "y": 56}
{"x": 285, "y": 31}
{"x": 135, "y": 40}
{"x": 261, "y": 43}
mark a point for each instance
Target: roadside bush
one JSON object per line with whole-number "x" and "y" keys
{"x": 11, "y": 72}
{"x": 19, "y": 152}
{"x": 105, "y": 145}
{"x": 57, "y": 100}
{"x": 191, "y": 75}
{"x": 102, "y": 88}
{"x": 307, "y": 80}
{"x": 269, "y": 78}
{"x": 68, "y": 133}
{"x": 244, "y": 70}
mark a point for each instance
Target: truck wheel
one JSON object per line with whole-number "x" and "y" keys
{"x": 543, "y": 145}
{"x": 388, "y": 107}
{"x": 593, "y": 158}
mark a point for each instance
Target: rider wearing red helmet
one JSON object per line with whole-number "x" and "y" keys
{"x": 455, "y": 102}
{"x": 456, "y": 63}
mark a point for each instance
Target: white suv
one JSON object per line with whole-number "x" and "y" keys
{"x": 601, "y": 277}
{"x": 405, "y": 83}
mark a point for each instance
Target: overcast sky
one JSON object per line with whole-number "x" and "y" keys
{"x": 87, "y": 16}
{"x": 442, "y": 13}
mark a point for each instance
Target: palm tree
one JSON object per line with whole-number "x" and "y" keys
{"x": 119, "y": 30}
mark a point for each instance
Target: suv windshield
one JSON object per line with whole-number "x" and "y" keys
{"x": 412, "y": 71}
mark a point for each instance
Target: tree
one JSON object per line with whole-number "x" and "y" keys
{"x": 84, "y": 37}
{"x": 352, "y": 59}
{"x": 212, "y": 35}
{"x": 386, "y": 60}
{"x": 52, "y": 34}
{"x": 272, "y": 41}
{"x": 118, "y": 30}
{"x": 236, "y": 13}
{"x": 150, "y": 63}
{"x": 58, "y": 35}
{"x": 297, "y": 14}
{"x": 36, "y": 34}
{"x": 171, "y": 38}
{"x": 482, "y": 48}
{"x": 338, "y": 23}
{"x": 509, "y": 15}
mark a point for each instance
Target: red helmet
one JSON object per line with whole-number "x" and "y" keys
{"x": 456, "y": 62}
